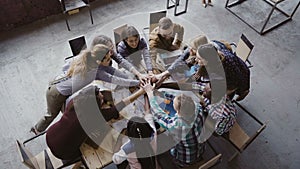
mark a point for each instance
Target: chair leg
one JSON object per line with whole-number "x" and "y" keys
{"x": 67, "y": 23}
{"x": 84, "y": 163}
{"x": 236, "y": 153}
{"x": 91, "y": 16}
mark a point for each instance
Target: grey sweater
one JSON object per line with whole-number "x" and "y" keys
{"x": 104, "y": 73}
{"x": 137, "y": 54}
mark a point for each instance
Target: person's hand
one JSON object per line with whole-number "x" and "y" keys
{"x": 150, "y": 73}
{"x": 142, "y": 77}
{"x": 156, "y": 71}
{"x": 147, "y": 105}
{"x": 160, "y": 79}
{"x": 148, "y": 88}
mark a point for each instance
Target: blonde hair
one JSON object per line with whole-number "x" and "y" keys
{"x": 87, "y": 60}
{"x": 198, "y": 41}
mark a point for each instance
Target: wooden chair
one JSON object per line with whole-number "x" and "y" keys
{"x": 43, "y": 160}
{"x": 154, "y": 18}
{"x": 212, "y": 162}
{"x": 239, "y": 137}
{"x": 70, "y": 7}
{"x": 77, "y": 45}
{"x": 118, "y": 34}
{"x": 244, "y": 49}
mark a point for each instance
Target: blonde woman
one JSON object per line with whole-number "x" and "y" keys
{"x": 88, "y": 66}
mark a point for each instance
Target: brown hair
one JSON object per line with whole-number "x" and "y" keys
{"x": 129, "y": 32}
{"x": 198, "y": 41}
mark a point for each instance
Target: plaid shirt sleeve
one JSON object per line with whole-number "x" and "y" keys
{"x": 161, "y": 117}
{"x": 224, "y": 113}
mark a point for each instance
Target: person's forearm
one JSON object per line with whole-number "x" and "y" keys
{"x": 180, "y": 60}
{"x": 165, "y": 74}
{"x": 147, "y": 59}
{"x": 153, "y": 56}
{"x": 147, "y": 105}
{"x": 150, "y": 95}
{"x": 135, "y": 72}
{"x": 122, "y": 62}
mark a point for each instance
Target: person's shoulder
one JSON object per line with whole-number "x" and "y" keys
{"x": 143, "y": 43}
{"x": 128, "y": 147}
{"x": 178, "y": 26}
{"x": 121, "y": 46}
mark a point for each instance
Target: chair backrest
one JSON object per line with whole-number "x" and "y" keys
{"x": 238, "y": 136}
{"x": 26, "y": 156}
{"x": 77, "y": 45}
{"x": 205, "y": 164}
{"x": 118, "y": 34}
{"x": 154, "y": 18}
{"x": 69, "y": 5}
{"x": 43, "y": 160}
{"x": 244, "y": 48}
{"x": 213, "y": 161}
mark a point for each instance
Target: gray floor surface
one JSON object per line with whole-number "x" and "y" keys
{"x": 33, "y": 54}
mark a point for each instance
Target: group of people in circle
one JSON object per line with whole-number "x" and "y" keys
{"x": 139, "y": 59}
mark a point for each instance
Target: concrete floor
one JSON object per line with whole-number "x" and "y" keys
{"x": 33, "y": 54}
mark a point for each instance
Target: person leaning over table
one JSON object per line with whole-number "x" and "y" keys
{"x": 187, "y": 62}
{"x": 65, "y": 137}
{"x": 103, "y": 39}
{"x": 236, "y": 71}
{"x": 90, "y": 65}
{"x": 134, "y": 49}
{"x": 117, "y": 57}
{"x": 140, "y": 149}
{"x": 185, "y": 127}
{"x": 163, "y": 38}
{"x": 223, "y": 111}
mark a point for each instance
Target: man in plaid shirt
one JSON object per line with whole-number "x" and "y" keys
{"x": 185, "y": 126}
